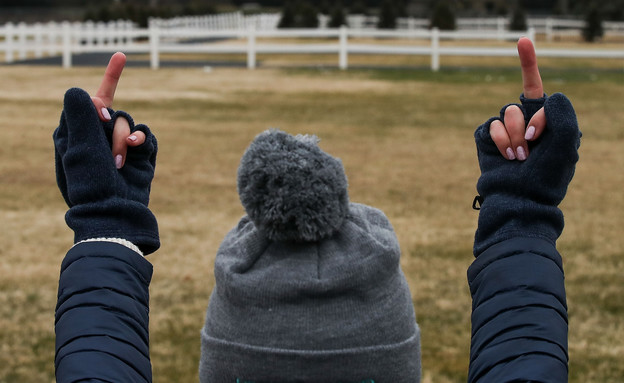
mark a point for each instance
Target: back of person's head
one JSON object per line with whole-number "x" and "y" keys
{"x": 308, "y": 285}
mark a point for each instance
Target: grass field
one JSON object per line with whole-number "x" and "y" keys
{"x": 405, "y": 137}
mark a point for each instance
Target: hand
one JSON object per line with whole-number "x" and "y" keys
{"x": 103, "y": 100}
{"x": 521, "y": 198}
{"x": 512, "y": 132}
{"x": 104, "y": 201}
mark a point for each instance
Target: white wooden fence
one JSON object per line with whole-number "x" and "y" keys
{"x": 551, "y": 27}
{"x": 219, "y": 22}
{"x": 51, "y": 39}
{"x": 69, "y": 39}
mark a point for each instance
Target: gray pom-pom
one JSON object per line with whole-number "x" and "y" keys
{"x": 291, "y": 189}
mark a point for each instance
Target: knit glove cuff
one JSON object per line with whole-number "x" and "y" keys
{"x": 520, "y": 198}
{"x": 104, "y": 201}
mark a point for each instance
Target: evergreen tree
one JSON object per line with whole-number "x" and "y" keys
{"x": 301, "y": 14}
{"x": 104, "y": 14}
{"x": 387, "y": 15}
{"x": 443, "y": 16}
{"x": 518, "y": 20}
{"x": 143, "y": 16}
{"x": 358, "y": 7}
{"x": 400, "y": 8}
{"x": 288, "y": 16}
{"x": 593, "y": 25}
{"x": 90, "y": 14}
{"x": 615, "y": 10}
{"x": 324, "y": 7}
{"x": 337, "y": 17}
{"x": 308, "y": 16}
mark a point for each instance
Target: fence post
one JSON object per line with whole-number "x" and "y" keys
{"x": 50, "y": 38}
{"x": 38, "y": 40}
{"x": 343, "y": 62}
{"x": 129, "y": 34}
{"x": 251, "y": 46}
{"x": 21, "y": 40}
{"x": 111, "y": 28}
{"x": 89, "y": 33}
{"x": 154, "y": 40}
{"x": 531, "y": 33}
{"x": 549, "y": 29}
{"x": 435, "y": 49}
{"x": 67, "y": 42}
{"x": 8, "y": 41}
{"x": 500, "y": 27}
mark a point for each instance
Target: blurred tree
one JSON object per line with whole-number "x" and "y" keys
{"x": 338, "y": 17}
{"x": 309, "y": 15}
{"x": 518, "y": 19}
{"x": 501, "y": 9}
{"x": 387, "y": 15}
{"x": 400, "y": 8}
{"x": 443, "y": 16}
{"x": 143, "y": 17}
{"x": 593, "y": 25}
{"x": 539, "y": 6}
{"x": 131, "y": 12}
{"x": 561, "y": 8}
{"x": 609, "y": 10}
{"x": 614, "y": 10}
{"x": 302, "y": 14}
{"x": 197, "y": 7}
{"x": 288, "y": 16}
{"x": 358, "y": 7}
{"x": 324, "y": 7}
{"x": 104, "y": 14}
{"x": 89, "y": 14}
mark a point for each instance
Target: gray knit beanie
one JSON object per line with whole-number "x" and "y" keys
{"x": 308, "y": 286}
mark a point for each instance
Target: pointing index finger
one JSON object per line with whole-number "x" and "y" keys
{"x": 106, "y": 92}
{"x": 531, "y": 79}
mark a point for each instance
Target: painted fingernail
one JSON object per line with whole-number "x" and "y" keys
{"x": 521, "y": 153}
{"x": 132, "y": 138}
{"x": 530, "y": 133}
{"x": 510, "y": 154}
{"x": 105, "y": 114}
{"x": 118, "y": 161}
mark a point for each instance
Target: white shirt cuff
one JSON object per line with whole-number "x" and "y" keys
{"x": 119, "y": 241}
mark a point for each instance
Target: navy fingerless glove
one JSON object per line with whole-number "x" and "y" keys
{"x": 104, "y": 201}
{"x": 520, "y": 198}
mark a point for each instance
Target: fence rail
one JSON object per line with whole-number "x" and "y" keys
{"x": 22, "y": 41}
{"x": 223, "y": 21}
{"x": 550, "y": 27}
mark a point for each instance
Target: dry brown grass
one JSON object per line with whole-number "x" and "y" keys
{"x": 406, "y": 141}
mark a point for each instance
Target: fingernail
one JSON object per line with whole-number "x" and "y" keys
{"x": 132, "y": 138}
{"x": 521, "y": 153}
{"x": 118, "y": 161}
{"x": 510, "y": 154}
{"x": 106, "y": 114}
{"x": 530, "y": 133}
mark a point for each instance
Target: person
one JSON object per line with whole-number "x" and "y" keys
{"x": 308, "y": 284}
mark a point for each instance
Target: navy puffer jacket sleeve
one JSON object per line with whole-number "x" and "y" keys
{"x": 102, "y": 315}
{"x": 519, "y": 313}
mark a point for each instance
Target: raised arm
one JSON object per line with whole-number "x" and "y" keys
{"x": 103, "y": 300}
{"x": 527, "y": 158}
